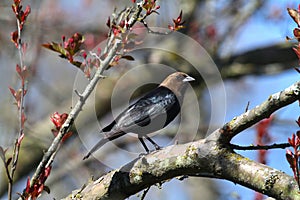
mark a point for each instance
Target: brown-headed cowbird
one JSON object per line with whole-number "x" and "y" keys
{"x": 150, "y": 113}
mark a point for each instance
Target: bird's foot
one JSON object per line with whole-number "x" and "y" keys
{"x": 143, "y": 154}
{"x": 147, "y": 152}
{"x": 157, "y": 147}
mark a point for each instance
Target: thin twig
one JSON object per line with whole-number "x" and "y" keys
{"x": 145, "y": 193}
{"x": 247, "y": 106}
{"x": 16, "y": 150}
{"x": 154, "y": 32}
{"x": 260, "y": 147}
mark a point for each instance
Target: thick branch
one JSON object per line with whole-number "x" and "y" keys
{"x": 200, "y": 158}
{"x": 258, "y": 177}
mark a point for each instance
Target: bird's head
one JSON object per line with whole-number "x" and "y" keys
{"x": 177, "y": 82}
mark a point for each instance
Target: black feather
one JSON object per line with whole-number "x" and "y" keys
{"x": 150, "y": 113}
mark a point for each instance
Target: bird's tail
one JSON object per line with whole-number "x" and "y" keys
{"x": 97, "y": 146}
{"x": 108, "y": 137}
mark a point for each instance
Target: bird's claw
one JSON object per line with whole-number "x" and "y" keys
{"x": 157, "y": 147}
{"x": 143, "y": 154}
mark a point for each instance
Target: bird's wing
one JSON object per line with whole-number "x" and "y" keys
{"x": 154, "y": 104}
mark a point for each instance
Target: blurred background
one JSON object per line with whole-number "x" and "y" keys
{"x": 244, "y": 40}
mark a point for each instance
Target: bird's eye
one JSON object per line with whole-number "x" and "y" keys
{"x": 183, "y": 76}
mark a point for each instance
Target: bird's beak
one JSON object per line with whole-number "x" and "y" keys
{"x": 188, "y": 78}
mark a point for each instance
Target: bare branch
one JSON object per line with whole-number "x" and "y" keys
{"x": 260, "y": 147}
{"x": 75, "y": 111}
{"x": 191, "y": 159}
{"x": 264, "y": 110}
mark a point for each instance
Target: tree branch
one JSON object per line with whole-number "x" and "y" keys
{"x": 260, "y": 147}
{"x": 191, "y": 159}
{"x": 75, "y": 111}
{"x": 264, "y": 110}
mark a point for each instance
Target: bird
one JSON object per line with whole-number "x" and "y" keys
{"x": 150, "y": 113}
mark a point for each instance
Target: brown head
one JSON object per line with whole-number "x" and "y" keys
{"x": 177, "y": 82}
